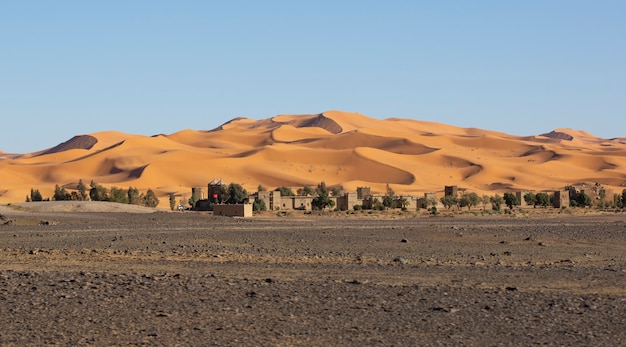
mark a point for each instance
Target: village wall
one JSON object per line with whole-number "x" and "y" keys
{"x": 561, "y": 198}
{"x": 274, "y": 201}
{"x": 348, "y": 201}
{"x": 233, "y": 210}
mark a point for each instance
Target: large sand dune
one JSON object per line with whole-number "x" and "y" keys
{"x": 340, "y": 148}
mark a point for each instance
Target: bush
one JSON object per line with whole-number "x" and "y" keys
{"x": 97, "y": 192}
{"x": 118, "y": 195}
{"x": 389, "y": 202}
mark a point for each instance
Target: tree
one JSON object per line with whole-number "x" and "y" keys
{"x": 60, "y": 194}
{"x": 496, "y": 202}
{"x": 192, "y": 201}
{"x": 82, "y": 191}
{"x": 322, "y": 200}
{"x": 321, "y": 189}
{"x": 464, "y": 201}
{"x": 236, "y": 194}
{"x": 134, "y": 198}
{"x": 469, "y": 200}
{"x": 97, "y": 192}
{"x": 35, "y": 195}
{"x": 285, "y": 191}
{"x": 306, "y": 191}
{"x": 474, "y": 199}
{"x": 511, "y": 200}
{"x": 260, "y": 188}
{"x": 543, "y": 199}
{"x": 583, "y": 200}
{"x": 486, "y": 199}
{"x": 449, "y": 201}
{"x": 616, "y": 200}
{"x": 150, "y": 199}
{"x": 172, "y": 201}
{"x": 118, "y": 195}
{"x": 530, "y": 198}
{"x": 389, "y": 192}
{"x": 389, "y": 200}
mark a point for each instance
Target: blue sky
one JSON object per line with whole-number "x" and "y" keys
{"x": 149, "y": 67}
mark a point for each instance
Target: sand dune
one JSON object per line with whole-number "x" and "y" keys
{"x": 339, "y": 148}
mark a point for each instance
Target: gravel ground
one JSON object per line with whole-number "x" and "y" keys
{"x": 190, "y": 279}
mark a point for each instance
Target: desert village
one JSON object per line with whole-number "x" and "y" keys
{"x": 364, "y": 199}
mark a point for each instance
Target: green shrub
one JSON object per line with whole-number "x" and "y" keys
{"x": 259, "y": 205}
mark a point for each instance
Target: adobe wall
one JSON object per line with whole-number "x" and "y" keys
{"x": 238, "y": 210}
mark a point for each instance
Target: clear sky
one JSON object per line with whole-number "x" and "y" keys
{"x": 147, "y": 67}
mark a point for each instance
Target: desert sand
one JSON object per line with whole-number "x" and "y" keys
{"x": 96, "y": 277}
{"x": 339, "y": 148}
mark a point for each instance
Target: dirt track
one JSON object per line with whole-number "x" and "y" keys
{"x": 194, "y": 279}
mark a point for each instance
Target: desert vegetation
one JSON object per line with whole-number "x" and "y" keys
{"x": 324, "y": 198}
{"x": 97, "y": 192}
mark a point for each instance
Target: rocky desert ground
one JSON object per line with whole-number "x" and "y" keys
{"x": 79, "y": 275}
